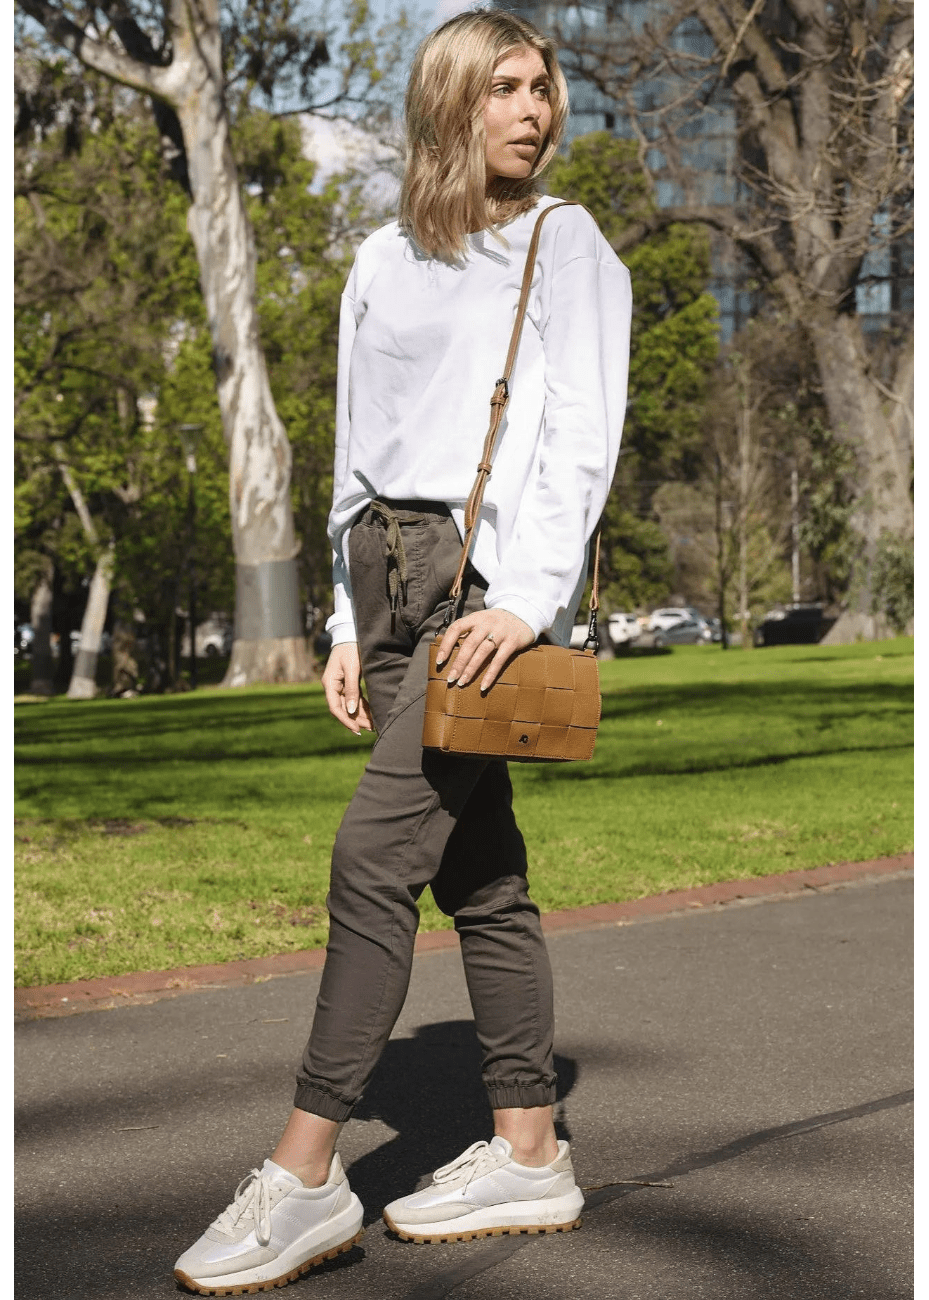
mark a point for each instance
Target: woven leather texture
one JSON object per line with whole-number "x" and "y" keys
{"x": 544, "y": 707}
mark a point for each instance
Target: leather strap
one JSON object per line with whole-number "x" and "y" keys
{"x": 498, "y": 404}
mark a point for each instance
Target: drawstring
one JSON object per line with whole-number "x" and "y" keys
{"x": 396, "y": 555}
{"x": 468, "y": 1165}
{"x": 252, "y": 1196}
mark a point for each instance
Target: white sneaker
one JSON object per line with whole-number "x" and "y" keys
{"x": 485, "y": 1193}
{"x": 273, "y": 1231}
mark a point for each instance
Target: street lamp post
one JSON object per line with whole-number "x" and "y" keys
{"x": 190, "y": 434}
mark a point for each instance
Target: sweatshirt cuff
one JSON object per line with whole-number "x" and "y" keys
{"x": 341, "y": 628}
{"x": 522, "y": 609}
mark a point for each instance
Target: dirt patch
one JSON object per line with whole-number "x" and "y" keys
{"x": 305, "y": 916}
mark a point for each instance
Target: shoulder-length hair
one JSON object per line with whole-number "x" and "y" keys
{"x": 445, "y": 193}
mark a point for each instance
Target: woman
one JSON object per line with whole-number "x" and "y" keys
{"x": 426, "y": 318}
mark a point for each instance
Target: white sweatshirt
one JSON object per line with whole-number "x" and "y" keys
{"x": 421, "y": 346}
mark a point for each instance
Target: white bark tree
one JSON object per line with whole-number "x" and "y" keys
{"x": 83, "y": 684}
{"x": 821, "y": 94}
{"x": 40, "y": 613}
{"x": 185, "y": 77}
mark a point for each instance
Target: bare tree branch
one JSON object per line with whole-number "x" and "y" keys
{"x": 106, "y": 59}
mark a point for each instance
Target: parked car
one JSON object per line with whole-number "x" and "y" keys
{"x": 623, "y": 630}
{"x": 686, "y": 631}
{"x": 214, "y": 637}
{"x": 791, "y": 625}
{"x": 106, "y": 641}
{"x": 213, "y": 640}
{"x": 661, "y": 618}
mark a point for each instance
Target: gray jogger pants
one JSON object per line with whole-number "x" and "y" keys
{"x": 420, "y": 818}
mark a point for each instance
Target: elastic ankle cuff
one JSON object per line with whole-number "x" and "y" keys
{"x": 504, "y": 1096}
{"x": 318, "y": 1101}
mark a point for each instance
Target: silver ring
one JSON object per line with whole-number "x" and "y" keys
{"x": 490, "y": 638}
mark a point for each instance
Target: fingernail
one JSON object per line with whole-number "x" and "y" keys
{"x": 451, "y": 679}
{"x": 351, "y": 705}
{"x": 439, "y": 662}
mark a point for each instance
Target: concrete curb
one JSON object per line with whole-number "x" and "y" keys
{"x": 113, "y": 991}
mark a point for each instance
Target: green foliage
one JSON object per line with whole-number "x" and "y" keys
{"x": 155, "y": 553}
{"x": 829, "y": 501}
{"x": 636, "y": 571}
{"x": 103, "y": 266}
{"x": 168, "y": 831}
{"x": 674, "y": 326}
{"x": 892, "y": 581}
{"x": 114, "y": 355}
{"x": 731, "y": 528}
{"x": 674, "y": 346}
{"x": 603, "y": 172}
{"x": 302, "y": 266}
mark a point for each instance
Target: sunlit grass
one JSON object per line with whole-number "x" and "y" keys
{"x": 169, "y": 831}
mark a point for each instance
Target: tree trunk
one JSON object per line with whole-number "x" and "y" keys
{"x": 795, "y": 532}
{"x": 125, "y": 648}
{"x": 125, "y": 659}
{"x": 878, "y": 428}
{"x": 269, "y": 640}
{"x": 747, "y": 482}
{"x": 43, "y": 667}
{"x": 84, "y": 678}
{"x": 721, "y": 566}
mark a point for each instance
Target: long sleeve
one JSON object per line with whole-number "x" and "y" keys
{"x": 586, "y": 363}
{"x": 342, "y": 623}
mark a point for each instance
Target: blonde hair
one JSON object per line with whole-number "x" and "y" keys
{"x": 445, "y": 192}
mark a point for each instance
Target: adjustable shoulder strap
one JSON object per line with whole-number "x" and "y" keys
{"x": 498, "y": 404}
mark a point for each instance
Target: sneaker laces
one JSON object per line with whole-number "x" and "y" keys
{"x": 252, "y": 1196}
{"x": 477, "y": 1160}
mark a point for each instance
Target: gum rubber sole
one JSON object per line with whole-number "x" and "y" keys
{"x": 511, "y": 1230}
{"x": 252, "y": 1288}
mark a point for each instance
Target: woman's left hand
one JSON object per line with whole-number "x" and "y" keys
{"x": 488, "y": 639}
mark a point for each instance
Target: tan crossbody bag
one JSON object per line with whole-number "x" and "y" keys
{"x": 545, "y": 705}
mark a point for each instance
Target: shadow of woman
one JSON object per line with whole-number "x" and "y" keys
{"x": 428, "y": 1088}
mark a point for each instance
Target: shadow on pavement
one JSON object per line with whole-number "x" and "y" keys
{"x": 767, "y": 1254}
{"x": 428, "y": 1089}
{"x": 115, "y": 1251}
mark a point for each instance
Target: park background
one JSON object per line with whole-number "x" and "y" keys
{"x": 191, "y": 183}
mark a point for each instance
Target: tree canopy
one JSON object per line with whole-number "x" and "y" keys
{"x": 674, "y": 345}
{"x": 114, "y": 355}
{"x": 817, "y": 99}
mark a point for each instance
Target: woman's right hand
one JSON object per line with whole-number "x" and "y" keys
{"x": 342, "y": 684}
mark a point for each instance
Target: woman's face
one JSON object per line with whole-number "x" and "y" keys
{"x": 517, "y": 114}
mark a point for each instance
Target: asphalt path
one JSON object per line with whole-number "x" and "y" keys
{"x": 735, "y": 1084}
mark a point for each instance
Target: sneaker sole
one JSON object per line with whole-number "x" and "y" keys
{"x": 509, "y": 1230}
{"x": 252, "y": 1288}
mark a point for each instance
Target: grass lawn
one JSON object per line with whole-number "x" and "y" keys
{"x": 169, "y": 831}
